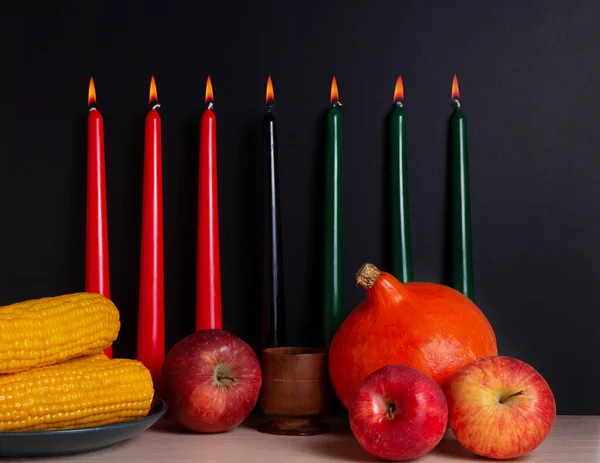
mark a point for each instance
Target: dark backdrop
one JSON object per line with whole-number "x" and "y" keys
{"x": 530, "y": 82}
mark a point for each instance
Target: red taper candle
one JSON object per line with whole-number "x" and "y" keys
{"x": 208, "y": 272}
{"x": 97, "y": 276}
{"x": 151, "y": 328}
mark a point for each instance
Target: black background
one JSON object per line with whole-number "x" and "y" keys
{"x": 529, "y": 74}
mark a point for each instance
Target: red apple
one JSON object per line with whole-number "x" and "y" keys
{"x": 500, "y": 407}
{"x": 399, "y": 413}
{"x": 213, "y": 380}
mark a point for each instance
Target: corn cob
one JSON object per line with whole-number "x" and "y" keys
{"x": 50, "y": 330}
{"x": 83, "y": 392}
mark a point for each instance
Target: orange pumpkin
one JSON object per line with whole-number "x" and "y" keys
{"x": 428, "y": 326}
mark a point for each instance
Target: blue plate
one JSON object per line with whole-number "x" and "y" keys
{"x": 22, "y": 444}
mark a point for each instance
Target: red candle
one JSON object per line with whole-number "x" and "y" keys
{"x": 208, "y": 272}
{"x": 97, "y": 278}
{"x": 151, "y": 329}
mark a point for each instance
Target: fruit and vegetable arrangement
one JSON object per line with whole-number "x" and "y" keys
{"x": 414, "y": 358}
{"x": 408, "y": 363}
{"x": 53, "y": 373}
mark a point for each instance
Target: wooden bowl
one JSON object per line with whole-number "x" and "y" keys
{"x": 295, "y": 390}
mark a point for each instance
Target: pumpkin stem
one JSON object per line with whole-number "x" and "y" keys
{"x": 367, "y": 275}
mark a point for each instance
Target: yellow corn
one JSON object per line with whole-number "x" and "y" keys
{"x": 87, "y": 391}
{"x": 50, "y": 330}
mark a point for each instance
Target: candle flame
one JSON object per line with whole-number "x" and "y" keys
{"x": 335, "y": 96}
{"x": 153, "y": 92}
{"x": 399, "y": 90}
{"x": 209, "y": 91}
{"x": 455, "y": 90}
{"x": 91, "y": 92}
{"x": 270, "y": 98}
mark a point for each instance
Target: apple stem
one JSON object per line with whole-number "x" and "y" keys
{"x": 227, "y": 378}
{"x": 504, "y": 399}
{"x": 223, "y": 375}
{"x": 390, "y": 411}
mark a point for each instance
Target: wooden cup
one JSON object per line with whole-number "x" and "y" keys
{"x": 295, "y": 390}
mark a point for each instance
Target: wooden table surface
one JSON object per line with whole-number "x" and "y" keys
{"x": 574, "y": 439}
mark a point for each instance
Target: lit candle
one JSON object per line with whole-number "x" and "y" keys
{"x": 273, "y": 311}
{"x": 400, "y": 221}
{"x": 333, "y": 291}
{"x": 208, "y": 274}
{"x": 461, "y": 264}
{"x": 151, "y": 330}
{"x": 97, "y": 276}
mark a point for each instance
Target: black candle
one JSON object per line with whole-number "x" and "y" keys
{"x": 273, "y": 312}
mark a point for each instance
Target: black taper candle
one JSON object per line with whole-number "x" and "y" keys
{"x": 273, "y": 311}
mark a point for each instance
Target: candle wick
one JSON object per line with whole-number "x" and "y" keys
{"x": 210, "y": 105}
{"x": 457, "y": 102}
{"x": 156, "y": 105}
{"x": 270, "y": 106}
{"x": 399, "y": 104}
{"x": 93, "y": 108}
{"x": 337, "y": 103}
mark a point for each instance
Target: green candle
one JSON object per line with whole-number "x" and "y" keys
{"x": 461, "y": 263}
{"x": 333, "y": 291}
{"x": 400, "y": 233}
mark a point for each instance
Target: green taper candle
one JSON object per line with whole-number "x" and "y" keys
{"x": 333, "y": 291}
{"x": 402, "y": 267}
{"x": 460, "y": 215}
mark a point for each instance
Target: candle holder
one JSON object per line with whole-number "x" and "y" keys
{"x": 295, "y": 392}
